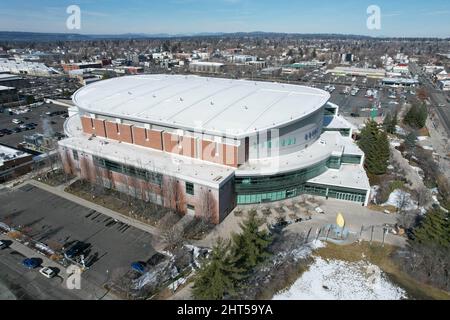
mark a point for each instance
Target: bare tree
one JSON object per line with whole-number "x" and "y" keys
{"x": 173, "y": 237}
{"x": 208, "y": 206}
{"x": 423, "y": 196}
{"x": 173, "y": 195}
{"x": 402, "y": 201}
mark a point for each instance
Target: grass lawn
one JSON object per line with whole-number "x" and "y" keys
{"x": 382, "y": 257}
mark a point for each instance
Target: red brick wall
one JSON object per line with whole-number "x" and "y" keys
{"x": 125, "y": 133}
{"x": 153, "y": 140}
{"x": 86, "y": 123}
{"x": 231, "y": 156}
{"x": 99, "y": 127}
{"x": 208, "y": 152}
{"x": 227, "y": 154}
{"x": 188, "y": 147}
{"x": 112, "y": 130}
{"x": 171, "y": 143}
{"x": 119, "y": 181}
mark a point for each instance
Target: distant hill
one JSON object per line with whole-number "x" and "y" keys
{"x": 12, "y": 36}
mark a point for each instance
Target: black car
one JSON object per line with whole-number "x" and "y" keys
{"x": 16, "y": 130}
{"x": 7, "y": 131}
{"x": 76, "y": 249}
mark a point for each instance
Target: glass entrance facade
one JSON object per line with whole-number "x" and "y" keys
{"x": 261, "y": 189}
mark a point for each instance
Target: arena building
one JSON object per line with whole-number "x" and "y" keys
{"x": 204, "y": 145}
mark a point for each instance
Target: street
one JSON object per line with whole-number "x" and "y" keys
{"x": 437, "y": 97}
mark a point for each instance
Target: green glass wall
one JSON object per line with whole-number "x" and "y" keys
{"x": 262, "y": 189}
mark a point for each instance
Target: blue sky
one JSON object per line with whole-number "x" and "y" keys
{"x": 399, "y": 17}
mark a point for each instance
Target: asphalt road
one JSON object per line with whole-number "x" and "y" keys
{"x": 436, "y": 96}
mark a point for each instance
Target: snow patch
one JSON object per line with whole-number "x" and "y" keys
{"x": 399, "y": 198}
{"x": 341, "y": 280}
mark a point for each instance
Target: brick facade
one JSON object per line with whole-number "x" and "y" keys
{"x": 160, "y": 140}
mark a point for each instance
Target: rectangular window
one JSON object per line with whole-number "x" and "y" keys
{"x": 191, "y": 207}
{"x": 189, "y": 188}
{"x": 75, "y": 155}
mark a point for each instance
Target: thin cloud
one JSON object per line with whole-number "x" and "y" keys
{"x": 393, "y": 14}
{"x": 437, "y": 13}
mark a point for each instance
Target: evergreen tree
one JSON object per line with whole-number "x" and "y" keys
{"x": 410, "y": 140}
{"x": 250, "y": 246}
{"x": 394, "y": 122}
{"x": 387, "y": 122}
{"x": 375, "y": 145}
{"x": 416, "y": 117}
{"x": 218, "y": 276}
{"x": 390, "y": 122}
{"x": 434, "y": 230}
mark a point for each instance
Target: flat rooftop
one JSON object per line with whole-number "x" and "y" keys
{"x": 235, "y": 108}
{"x": 7, "y": 154}
{"x": 348, "y": 176}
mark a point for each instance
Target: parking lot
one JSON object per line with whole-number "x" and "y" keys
{"x": 57, "y": 222}
{"x": 358, "y": 105}
{"x": 36, "y": 115}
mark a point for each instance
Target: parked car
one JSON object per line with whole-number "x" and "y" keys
{"x": 16, "y": 130}
{"x": 138, "y": 267}
{"x": 31, "y": 263}
{"x": 47, "y": 272}
{"x": 3, "y": 245}
{"x": 6, "y": 131}
{"x": 17, "y": 121}
{"x": 319, "y": 210}
{"x": 75, "y": 250}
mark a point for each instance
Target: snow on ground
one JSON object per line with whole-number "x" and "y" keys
{"x": 402, "y": 198}
{"x": 305, "y": 251}
{"x": 341, "y": 280}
